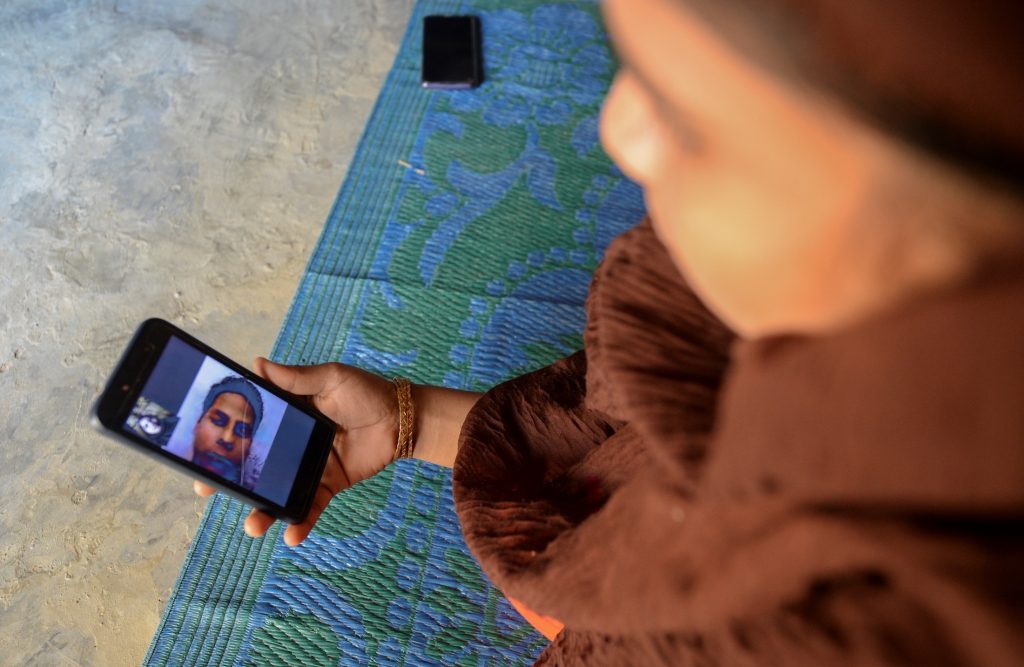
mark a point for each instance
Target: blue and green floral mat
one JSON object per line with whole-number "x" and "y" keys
{"x": 459, "y": 252}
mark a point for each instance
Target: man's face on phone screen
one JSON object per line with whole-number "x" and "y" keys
{"x": 226, "y": 429}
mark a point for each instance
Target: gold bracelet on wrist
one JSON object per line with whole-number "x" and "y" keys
{"x": 403, "y": 390}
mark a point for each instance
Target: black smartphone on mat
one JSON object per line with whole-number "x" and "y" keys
{"x": 452, "y": 57}
{"x": 190, "y": 407}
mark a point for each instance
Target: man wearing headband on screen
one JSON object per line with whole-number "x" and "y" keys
{"x": 223, "y": 435}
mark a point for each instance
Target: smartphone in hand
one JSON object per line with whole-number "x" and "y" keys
{"x": 183, "y": 403}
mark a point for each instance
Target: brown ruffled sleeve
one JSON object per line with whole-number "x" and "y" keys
{"x": 657, "y": 354}
{"x": 612, "y": 492}
{"x": 545, "y": 453}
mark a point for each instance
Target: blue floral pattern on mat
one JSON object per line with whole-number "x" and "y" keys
{"x": 405, "y": 592}
{"x": 544, "y": 67}
{"x": 547, "y": 71}
{"x": 459, "y": 251}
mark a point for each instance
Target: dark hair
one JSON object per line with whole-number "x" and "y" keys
{"x": 944, "y": 75}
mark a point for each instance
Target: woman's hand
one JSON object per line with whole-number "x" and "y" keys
{"x": 363, "y": 405}
{"x": 365, "y": 409}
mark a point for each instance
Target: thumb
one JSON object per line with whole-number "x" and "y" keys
{"x": 299, "y": 380}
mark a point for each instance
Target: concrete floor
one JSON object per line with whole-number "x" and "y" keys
{"x": 174, "y": 159}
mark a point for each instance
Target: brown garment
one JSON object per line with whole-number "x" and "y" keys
{"x": 678, "y": 497}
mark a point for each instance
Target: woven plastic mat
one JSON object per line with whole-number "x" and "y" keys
{"x": 459, "y": 252}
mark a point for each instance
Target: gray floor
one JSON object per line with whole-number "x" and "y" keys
{"x": 159, "y": 158}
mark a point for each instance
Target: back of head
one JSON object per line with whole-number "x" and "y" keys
{"x": 944, "y": 75}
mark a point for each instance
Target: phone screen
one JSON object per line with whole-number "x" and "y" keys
{"x": 199, "y": 410}
{"x": 451, "y": 52}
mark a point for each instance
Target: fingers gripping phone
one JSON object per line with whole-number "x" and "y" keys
{"x": 190, "y": 407}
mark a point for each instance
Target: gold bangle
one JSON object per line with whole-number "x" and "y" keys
{"x": 403, "y": 390}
